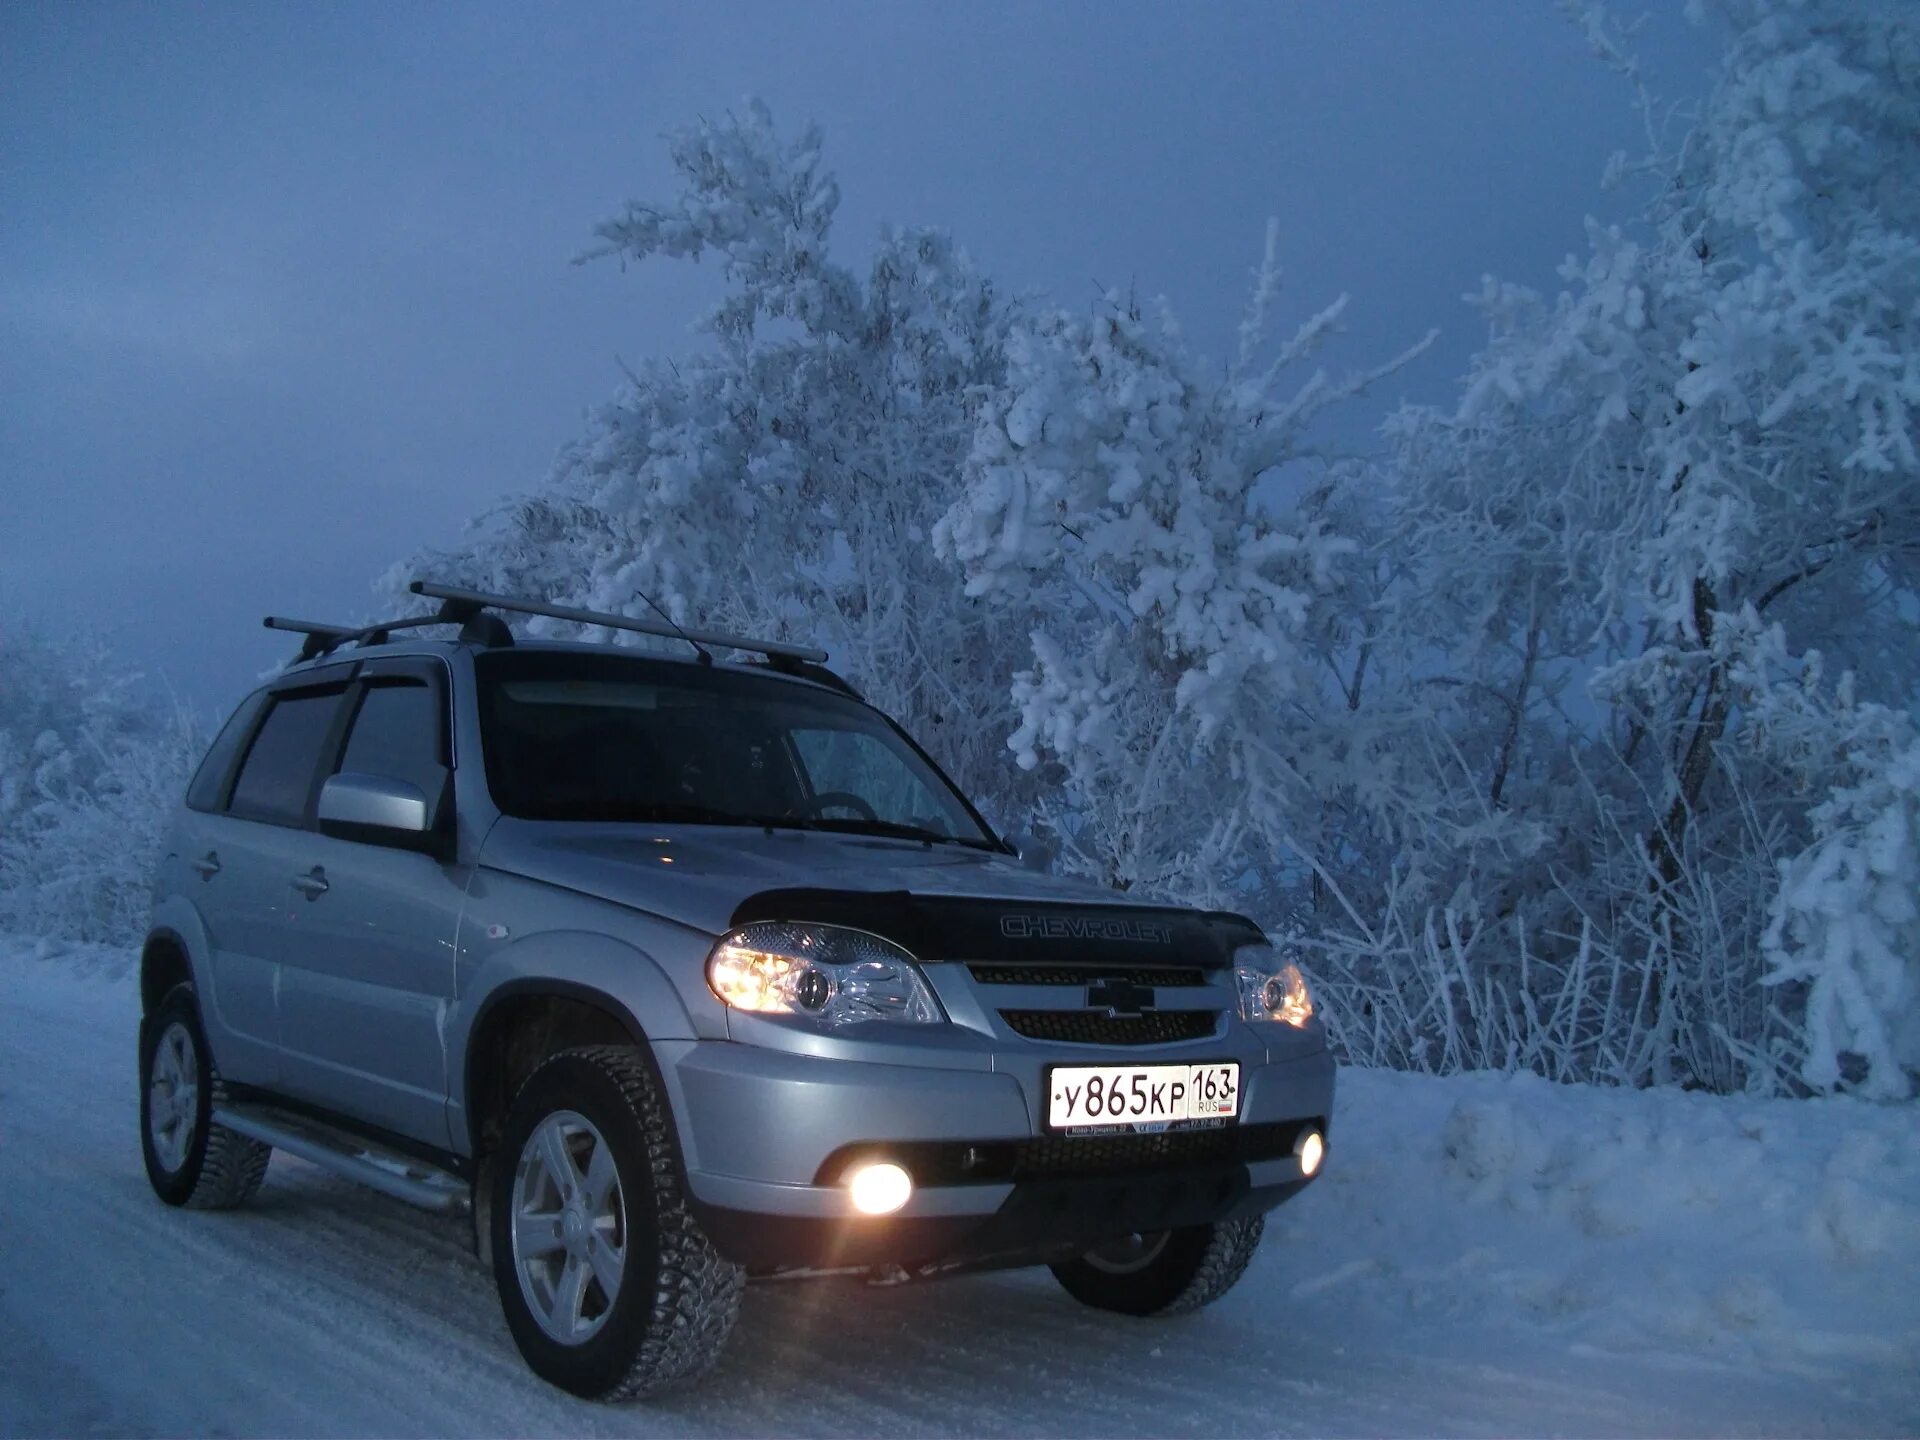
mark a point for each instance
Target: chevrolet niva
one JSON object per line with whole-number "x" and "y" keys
{"x": 679, "y": 973}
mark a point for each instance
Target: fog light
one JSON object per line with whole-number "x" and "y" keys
{"x": 1311, "y": 1149}
{"x": 879, "y": 1189}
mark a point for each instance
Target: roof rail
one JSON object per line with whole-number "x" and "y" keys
{"x": 465, "y": 602}
{"x": 464, "y": 608}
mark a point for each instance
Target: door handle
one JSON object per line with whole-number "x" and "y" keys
{"x": 313, "y": 884}
{"x": 208, "y": 865}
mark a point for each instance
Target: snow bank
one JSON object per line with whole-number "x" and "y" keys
{"x": 1757, "y": 1230}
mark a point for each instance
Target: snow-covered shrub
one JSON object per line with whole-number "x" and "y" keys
{"x": 1844, "y": 925}
{"x": 89, "y": 773}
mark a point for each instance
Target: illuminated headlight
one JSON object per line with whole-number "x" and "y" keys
{"x": 824, "y": 973}
{"x": 1271, "y": 987}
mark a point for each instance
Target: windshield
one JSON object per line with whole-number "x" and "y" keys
{"x": 575, "y": 736}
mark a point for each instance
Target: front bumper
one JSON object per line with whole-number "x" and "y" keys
{"x": 767, "y": 1129}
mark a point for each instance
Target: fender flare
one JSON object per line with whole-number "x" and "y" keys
{"x": 176, "y": 921}
{"x": 594, "y": 969}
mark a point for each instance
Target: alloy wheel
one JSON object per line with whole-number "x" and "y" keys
{"x": 173, "y": 1096}
{"x": 569, "y": 1227}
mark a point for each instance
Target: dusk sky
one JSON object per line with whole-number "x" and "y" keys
{"x": 285, "y": 291}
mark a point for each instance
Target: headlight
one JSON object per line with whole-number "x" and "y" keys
{"x": 823, "y": 972}
{"x": 1271, "y": 987}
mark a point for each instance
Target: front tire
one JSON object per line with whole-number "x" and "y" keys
{"x": 1168, "y": 1272}
{"x": 190, "y": 1160}
{"x": 609, "y": 1286}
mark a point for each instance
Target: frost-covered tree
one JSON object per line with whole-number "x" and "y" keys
{"x": 1496, "y": 731}
{"x": 1843, "y": 928}
{"x": 1186, "y": 555}
{"x": 1709, "y": 432}
{"x": 89, "y": 773}
{"x": 786, "y": 476}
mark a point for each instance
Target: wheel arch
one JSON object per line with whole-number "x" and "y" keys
{"x": 165, "y": 961}
{"x": 586, "y": 986}
{"x": 518, "y": 1027}
{"x": 520, "y": 1024}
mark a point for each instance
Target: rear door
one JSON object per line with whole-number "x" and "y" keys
{"x": 243, "y": 851}
{"x": 369, "y": 973}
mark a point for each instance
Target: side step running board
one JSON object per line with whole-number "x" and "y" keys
{"x": 391, "y": 1173}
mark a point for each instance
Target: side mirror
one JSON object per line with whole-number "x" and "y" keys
{"x": 378, "y": 810}
{"x": 1032, "y": 851}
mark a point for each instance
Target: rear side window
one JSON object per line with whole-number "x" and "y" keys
{"x": 209, "y": 786}
{"x": 280, "y": 766}
{"x": 398, "y": 733}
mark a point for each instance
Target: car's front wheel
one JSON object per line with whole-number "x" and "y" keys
{"x": 1164, "y": 1272}
{"x": 610, "y": 1287}
{"x": 190, "y": 1160}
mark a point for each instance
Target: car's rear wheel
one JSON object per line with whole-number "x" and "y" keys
{"x": 190, "y": 1160}
{"x": 1164, "y": 1272}
{"x": 610, "y": 1288}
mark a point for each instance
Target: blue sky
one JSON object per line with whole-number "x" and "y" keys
{"x": 285, "y": 290}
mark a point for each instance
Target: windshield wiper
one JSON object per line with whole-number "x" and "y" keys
{"x": 692, "y": 814}
{"x": 897, "y": 830}
{"x": 684, "y": 814}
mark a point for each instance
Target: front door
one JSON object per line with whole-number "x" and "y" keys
{"x": 369, "y": 958}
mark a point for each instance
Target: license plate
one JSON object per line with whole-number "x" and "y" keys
{"x": 1149, "y": 1097}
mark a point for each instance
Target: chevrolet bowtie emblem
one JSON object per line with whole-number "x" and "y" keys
{"x": 1119, "y": 997}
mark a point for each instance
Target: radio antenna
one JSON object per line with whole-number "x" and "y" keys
{"x": 698, "y": 648}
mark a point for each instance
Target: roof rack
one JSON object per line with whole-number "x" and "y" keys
{"x": 474, "y": 600}
{"x": 464, "y": 608}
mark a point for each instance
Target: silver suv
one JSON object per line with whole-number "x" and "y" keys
{"x": 681, "y": 973}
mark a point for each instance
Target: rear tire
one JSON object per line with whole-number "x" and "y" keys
{"x": 190, "y": 1160}
{"x": 1171, "y": 1272}
{"x": 610, "y": 1287}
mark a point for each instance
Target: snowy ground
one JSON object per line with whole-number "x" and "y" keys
{"x": 1486, "y": 1256}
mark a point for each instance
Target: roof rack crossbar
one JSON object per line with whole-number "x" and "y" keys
{"x": 323, "y": 639}
{"x": 319, "y": 638}
{"x": 663, "y": 629}
{"x": 308, "y": 627}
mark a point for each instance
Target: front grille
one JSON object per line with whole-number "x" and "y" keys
{"x": 1005, "y": 974}
{"x": 1066, "y": 1157}
{"x": 1096, "y": 1027}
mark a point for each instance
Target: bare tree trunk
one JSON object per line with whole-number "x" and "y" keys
{"x": 1695, "y": 759}
{"x": 1518, "y": 709}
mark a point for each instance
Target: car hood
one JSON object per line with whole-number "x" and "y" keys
{"x": 702, "y": 875}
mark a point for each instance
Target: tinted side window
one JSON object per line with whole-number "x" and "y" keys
{"x": 398, "y": 733}
{"x": 210, "y": 781}
{"x": 279, "y": 768}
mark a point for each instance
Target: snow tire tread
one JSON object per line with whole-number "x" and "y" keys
{"x": 231, "y": 1172}
{"x": 1197, "y": 1265}
{"x": 697, "y": 1292}
{"x": 1230, "y": 1249}
{"x": 223, "y": 1169}
{"x": 697, "y": 1295}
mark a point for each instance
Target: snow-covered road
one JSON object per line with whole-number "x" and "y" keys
{"x": 327, "y": 1310}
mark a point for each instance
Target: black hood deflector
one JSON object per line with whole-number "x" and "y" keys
{"x": 942, "y": 927}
